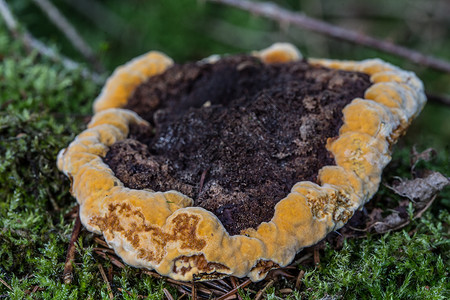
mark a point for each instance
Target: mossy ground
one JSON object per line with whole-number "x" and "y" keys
{"x": 43, "y": 107}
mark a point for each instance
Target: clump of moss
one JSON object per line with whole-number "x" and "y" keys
{"x": 398, "y": 265}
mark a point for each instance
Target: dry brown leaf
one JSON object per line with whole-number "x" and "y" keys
{"x": 391, "y": 221}
{"x": 421, "y": 189}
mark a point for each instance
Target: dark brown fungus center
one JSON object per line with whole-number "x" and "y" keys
{"x": 235, "y": 135}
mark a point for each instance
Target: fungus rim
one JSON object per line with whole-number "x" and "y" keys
{"x": 144, "y": 226}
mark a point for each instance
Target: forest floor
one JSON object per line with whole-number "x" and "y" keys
{"x": 42, "y": 108}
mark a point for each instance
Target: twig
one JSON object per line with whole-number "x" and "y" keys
{"x": 100, "y": 242}
{"x": 194, "y": 291}
{"x": 264, "y": 289}
{"x": 224, "y": 283}
{"x": 272, "y": 11}
{"x": 105, "y": 250}
{"x": 108, "y": 286}
{"x": 5, "y": 284}
{"x": 234, "y": 283}
{"x": 235, "y": 290}
{"x": 170, "y": 280}
{"x": 280, "y": 272}
{"x": 167, "y": 294}
{"x": 110, "y": 273}
{"x": 31, "y": 42}
{"x": 316, "y": 256}
{"x": 424, "y": 209}
{"x": 298, "y": 282}
{"x": 286, "y": 291}
{"x": 199, "y": 287}
{"x": 156, "y": 275}
{"x": 216, "y": 288}
{"x": 69, "y": 31}
{"x": 301, "y": 259}
{"x": 185, "y": 286}
{"x": 68, "y": 266}
{"x": 52, "y": 199}
{"x": 113, "y": 260}
{"x": 183, "y": 292}
{"x": 438, "y": 99}
{"x": 359, "y": 229}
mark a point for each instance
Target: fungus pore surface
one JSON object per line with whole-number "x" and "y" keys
{"x": 234, "y": 135}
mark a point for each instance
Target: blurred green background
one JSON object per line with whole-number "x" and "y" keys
{"x": 119, "y": 30}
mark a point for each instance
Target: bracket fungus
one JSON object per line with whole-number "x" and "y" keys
{"x": 188, "y": 231}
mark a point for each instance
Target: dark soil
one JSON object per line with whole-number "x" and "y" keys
{"x": 235, "y": 135}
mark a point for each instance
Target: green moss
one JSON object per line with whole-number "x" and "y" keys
{"x": 392, "y": 266}
{"x": 43, "y": 108}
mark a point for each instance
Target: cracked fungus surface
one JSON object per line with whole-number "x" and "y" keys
{"x": 185, "y": 233}
{"x": 236, "y": 135}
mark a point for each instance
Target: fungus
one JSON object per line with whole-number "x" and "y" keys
{"x": 152, "y": 222}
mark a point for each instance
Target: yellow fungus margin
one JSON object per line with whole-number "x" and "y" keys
{"x": 162, "y": 231}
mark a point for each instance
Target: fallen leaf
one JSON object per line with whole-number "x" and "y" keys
{"x": 390, "y": 222}
{"x": 421, "y": 189}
